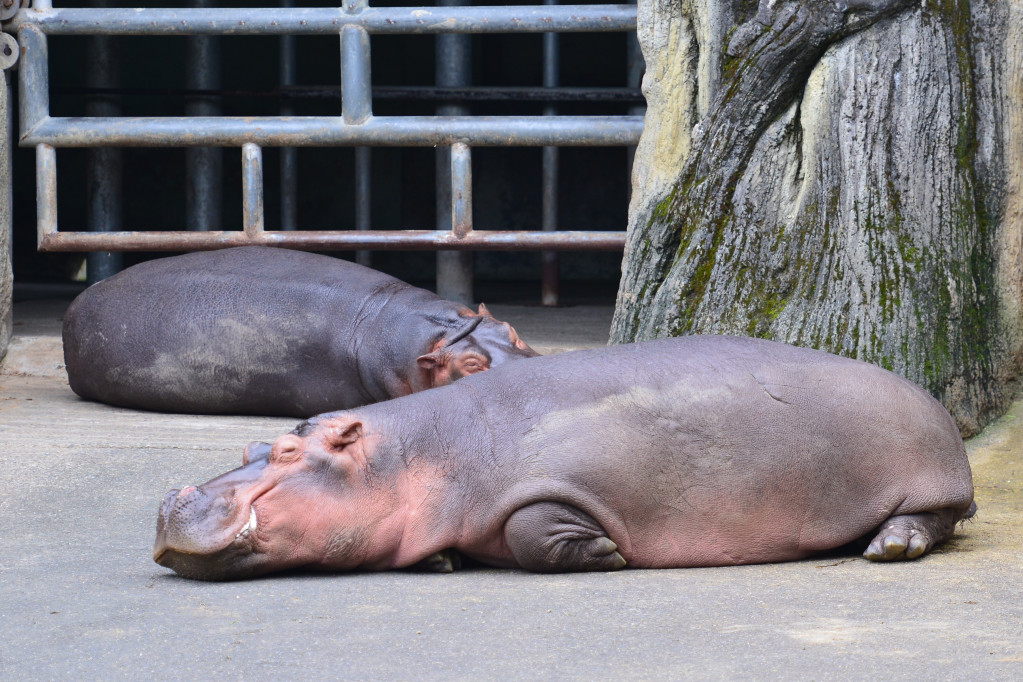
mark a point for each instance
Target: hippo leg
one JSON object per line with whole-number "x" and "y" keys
{"x": 908, "y": 536}
{"x": 444, "y": 561}
{"x": 549, "y": 537}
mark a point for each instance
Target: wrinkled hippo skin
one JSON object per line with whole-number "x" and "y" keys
{"x": 256, "y": 330}
{"x": 695, "y": 451}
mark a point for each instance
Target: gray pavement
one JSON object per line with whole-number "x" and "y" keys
{"x": 80, "y": 596}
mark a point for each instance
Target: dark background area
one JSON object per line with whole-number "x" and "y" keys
{"x": 594, "y": 182}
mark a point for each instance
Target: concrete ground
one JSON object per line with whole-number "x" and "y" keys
{"x": 80, "y": 596}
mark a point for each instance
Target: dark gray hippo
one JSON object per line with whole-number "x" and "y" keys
{"x": 256, "y": 330}
{"x": 695, "y": 451}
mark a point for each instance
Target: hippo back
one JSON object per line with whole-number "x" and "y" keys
{"x": 246, "y": 330}
{"x": 703, "y": 450}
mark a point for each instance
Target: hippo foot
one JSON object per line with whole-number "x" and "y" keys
{"x": 444, "y": 561}
{"x": 550, "y": 537}
{"x": 912, "y": 535}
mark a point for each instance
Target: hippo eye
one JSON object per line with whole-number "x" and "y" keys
{"x": 474, "y": 365}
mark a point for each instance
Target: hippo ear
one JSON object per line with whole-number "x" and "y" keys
{"x": 435, "y": 364}
{"x": 346, "y": 435}
{"x": 346, "y": 440}
{"x": 483, "y": 311}
{"x": 431, "y": 361}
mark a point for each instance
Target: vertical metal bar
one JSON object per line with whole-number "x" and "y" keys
{"x": 46, "y": 191}
{"x": 363, "y": 161}
{"x": 356, "y": 108}
{"x": 103, "y": 170}
{"x": 461, "y": 190}
{"x": 203, "y": 164}
{"x": 289, "y": 155}
{"x": 356, "y": 94}
{"x": 453, "y": 69}
{"x": 6, "y": 236}
{"x": 33, "y": 78}
{"x": 252, "y": 189}
{"x": 549, "y": 220}
{"x": 549, "y": 259}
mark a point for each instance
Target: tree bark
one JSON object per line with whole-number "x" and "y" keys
{"x": 848, "y": 184}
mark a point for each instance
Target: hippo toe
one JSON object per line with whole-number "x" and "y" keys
{"x": 910, "y": 536}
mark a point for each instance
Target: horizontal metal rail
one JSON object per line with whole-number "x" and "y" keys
{"x": 422, "y": 93}
{"x": 331, "y": 131}
{"x": 309, "y": 240}
{"x": 330, "y": 20}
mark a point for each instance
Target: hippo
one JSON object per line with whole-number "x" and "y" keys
{"x": 692, "y": 451}
{"x": 259, "y": 330}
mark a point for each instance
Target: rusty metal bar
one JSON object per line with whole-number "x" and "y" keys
{"x": 252, "y": 191}
{"x": 33, "y": 79}
{"x": 328, "y": 131}
{"x": 46, "y": 196}
{"x": 330, "y": 20}
{"x": 356, "y": 94}
{"x": 461, "y": 190}
{"x": 400, "y": 240}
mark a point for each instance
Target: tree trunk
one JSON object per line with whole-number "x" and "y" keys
{"x": 844, "y": 176}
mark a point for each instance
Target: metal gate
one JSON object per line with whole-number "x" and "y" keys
{"x": 357, "y": 126}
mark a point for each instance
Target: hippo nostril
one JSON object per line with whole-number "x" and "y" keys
{"x": 187, "y": 490}
{"x": 286, "y": 449}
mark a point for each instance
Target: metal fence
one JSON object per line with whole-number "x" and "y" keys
{"x": 357, "y": 126}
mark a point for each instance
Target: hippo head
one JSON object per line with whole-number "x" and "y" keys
{"x": 304, "y": 501}
{"x": 481, "y": 343}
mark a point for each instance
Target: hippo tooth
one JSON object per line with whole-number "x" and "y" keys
{"x": 251, "y": 525}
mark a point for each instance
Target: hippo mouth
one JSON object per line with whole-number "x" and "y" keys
{"x": 234, "y": 559}
{"x": 253, "y": 524}
{"x": 178, "y": 528}
{"x": 250, "y": 525}
{"x": 205, "y": 535}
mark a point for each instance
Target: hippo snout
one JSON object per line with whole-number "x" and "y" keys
{"x": 195, "y": 521}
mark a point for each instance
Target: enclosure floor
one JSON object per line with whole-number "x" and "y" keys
{"x": 80, "y": 596}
